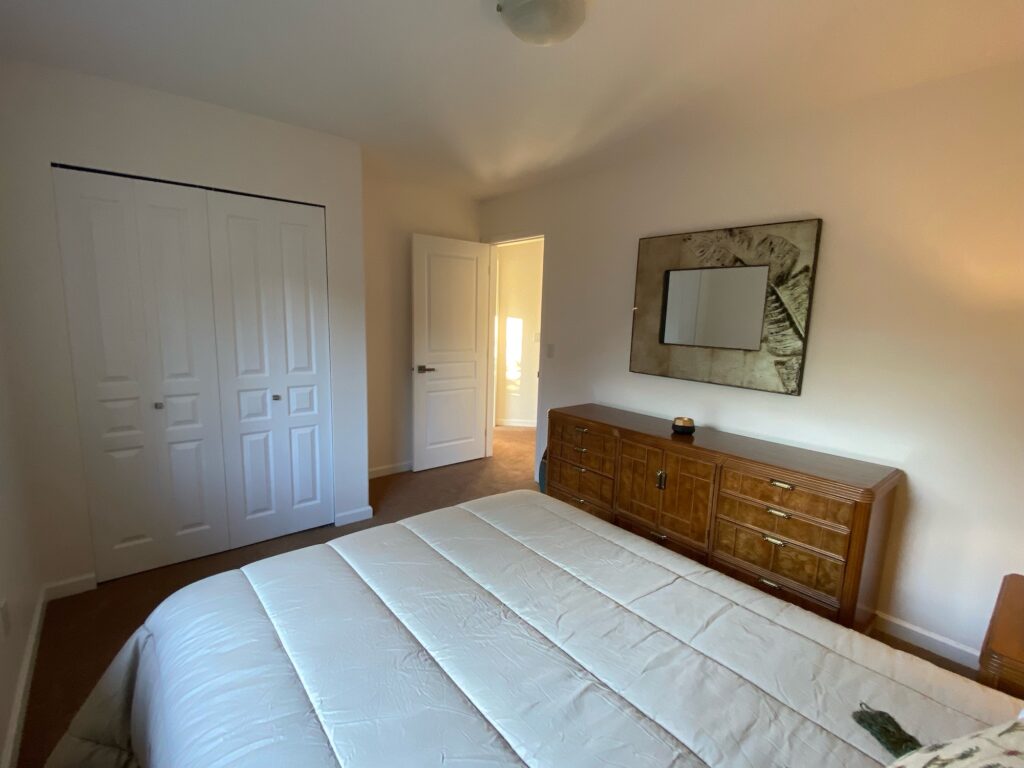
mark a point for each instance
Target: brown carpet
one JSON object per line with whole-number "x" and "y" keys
{"x": 81, "y": 634}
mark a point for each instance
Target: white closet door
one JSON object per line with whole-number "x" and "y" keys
{"x": 270, "y": 288}
{"x": 138, "y": 292}
{"x": 174, "y": 239}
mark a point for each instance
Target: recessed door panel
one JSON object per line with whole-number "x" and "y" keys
{"x": 305, "y": 465}
{"x": 247, "y": 300}
{"x": 298, "y": 319}
{"x": 258, "y": 473}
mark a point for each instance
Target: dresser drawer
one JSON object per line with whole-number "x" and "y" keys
{"x": 581, "y": 482}
{"x": 580, "y": 503}
{"x": 789, "y": 525}
{"x": 576, "y": 431}
{"x": 773, "y": 555}
{"x": 777, "y": 588}
{"x": 788, "y": 496}
{"x": 594, "y": 460}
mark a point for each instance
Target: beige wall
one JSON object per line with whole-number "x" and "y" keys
{"x": 394, "y": 207}
{"x": 916, "y": 349}
{"x": 20, "y": 580}
{"x": 50, "y": 115}
{"x": 520, "y": 275}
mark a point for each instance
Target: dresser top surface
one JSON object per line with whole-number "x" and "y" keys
{"x": 849, "y": 472}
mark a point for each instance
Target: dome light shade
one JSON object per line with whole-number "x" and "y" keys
{"x": 543, "y": 22}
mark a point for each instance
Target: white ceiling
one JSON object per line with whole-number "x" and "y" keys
{"x": 442, "y": 84}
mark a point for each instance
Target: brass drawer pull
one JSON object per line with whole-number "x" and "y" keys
{"x": 580, "y": 501}
{"x": 658, "y": 536}
{"x": 578, "y": 449}
{"x": 777, "y": 513}
{"x": 579, "y": 469}
{"x": 769, "y": 583}
{"x": 782, "y": 485}
{"x": 581, "y": 430}
{"x": 773, "y": 540}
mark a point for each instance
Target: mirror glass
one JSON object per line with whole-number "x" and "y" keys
{"x": 719, "y": 307}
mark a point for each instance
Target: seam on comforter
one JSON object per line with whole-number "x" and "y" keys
{"x": 818, "y": 643}
{"x": 671, "y": 737}
{"x": 426, "y": 650}
{"x": 656, "y": 627}
{"x": 291, "y": 661}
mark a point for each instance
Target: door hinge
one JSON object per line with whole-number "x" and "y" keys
{"x": 661, "y": 478}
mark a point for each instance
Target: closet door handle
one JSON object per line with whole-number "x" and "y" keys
{"x": 158, "y": 406}
{"x": 424, "y": 369}
{"x": 275, "y": 397}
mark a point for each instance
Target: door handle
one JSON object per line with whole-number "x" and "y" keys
{"x": 158, "y": 406}
{"x": 275, "y": 397}
{"x": 424, "y": 369}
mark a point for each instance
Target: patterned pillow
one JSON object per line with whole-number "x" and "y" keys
{"x": 998, "y": 747}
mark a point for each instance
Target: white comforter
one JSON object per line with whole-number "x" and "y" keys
{"x": 513, "y": 630}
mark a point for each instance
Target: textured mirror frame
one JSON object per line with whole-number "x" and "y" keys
{"x": 790, "y": 251}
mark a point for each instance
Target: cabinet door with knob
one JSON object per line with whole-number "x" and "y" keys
{"x": 665, "y": 494}
{"x": 641, "y": 477}
{"x": 685, "y": 514}
{"x": 270, "y": 288}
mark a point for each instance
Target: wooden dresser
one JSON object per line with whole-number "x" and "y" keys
{"x": 1002, "y": 655}
{"x": 805, "y": 526}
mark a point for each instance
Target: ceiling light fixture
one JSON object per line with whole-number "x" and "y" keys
{"x": 543, "y": 22}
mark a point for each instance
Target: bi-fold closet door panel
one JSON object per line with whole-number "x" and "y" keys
{"x": 270, "y": 285}
{"x": 140, "y": 313}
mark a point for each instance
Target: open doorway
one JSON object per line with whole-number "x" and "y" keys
{"x": 518, "y": 277}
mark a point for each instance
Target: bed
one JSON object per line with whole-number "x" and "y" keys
{"x": 512, "y": 630}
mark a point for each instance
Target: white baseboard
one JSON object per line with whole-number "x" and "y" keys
{"x": 390, "y": 469}
{"x": 515, "y": 422}
{"x": 67, "y": 587}
{"x": 48, "y": 592}
{"x": 353, "y": 516}
{"x": 930, "y": 641}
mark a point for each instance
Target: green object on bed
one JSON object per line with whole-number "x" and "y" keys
{"x": 884, "y": 727}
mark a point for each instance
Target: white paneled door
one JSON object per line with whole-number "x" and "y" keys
{"x": 270, "y": 285}
{"x": 451, "y": 281}
{"x": 140, "y": 311}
